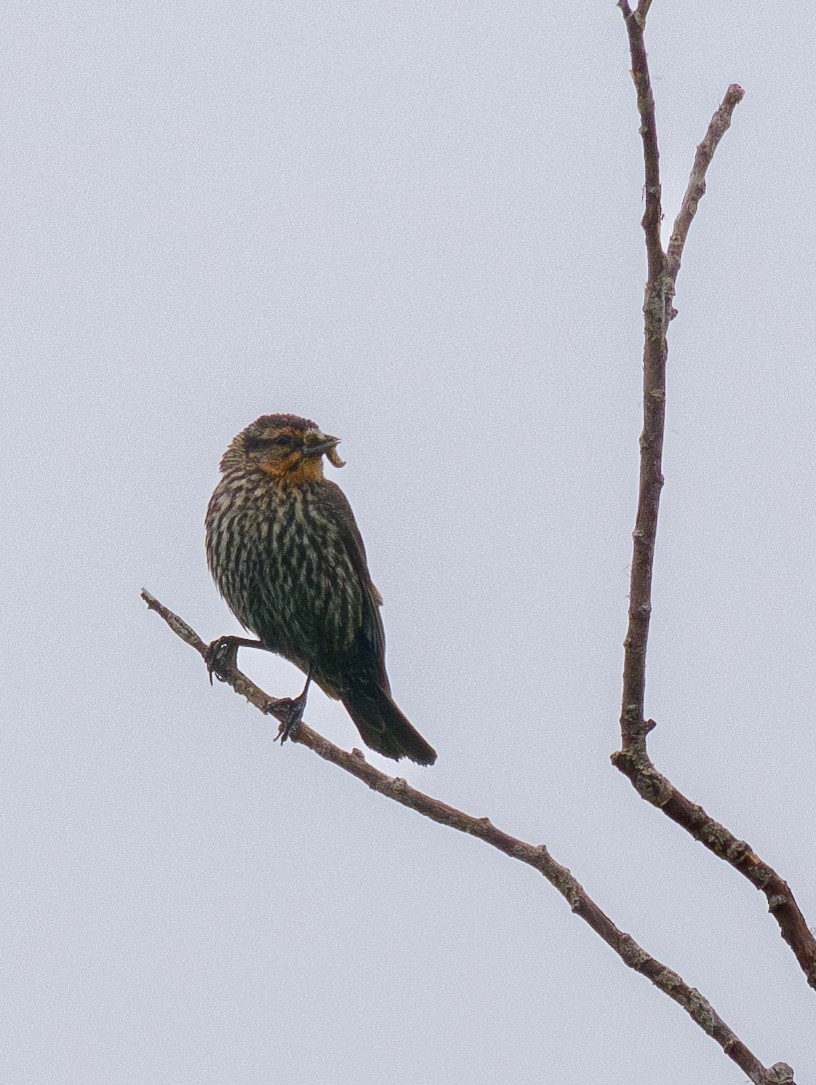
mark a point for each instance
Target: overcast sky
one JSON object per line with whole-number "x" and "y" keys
{"x": 417, "y": 224}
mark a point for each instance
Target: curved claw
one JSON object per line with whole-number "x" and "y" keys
{"x": 294, "y": 709}
{"x": 222, "y": 655}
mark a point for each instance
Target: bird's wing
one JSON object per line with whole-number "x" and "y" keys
{"x": 372, "y": 631}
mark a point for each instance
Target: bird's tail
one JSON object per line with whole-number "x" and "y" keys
{"x": 383, "y": 727}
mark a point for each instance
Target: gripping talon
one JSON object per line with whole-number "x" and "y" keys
{"x": 289, "y": 728}
{"x": 294, "y": 708}
{"x": 222, "y": 655}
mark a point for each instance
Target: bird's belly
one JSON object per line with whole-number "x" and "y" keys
{"x": 299, "y": 593}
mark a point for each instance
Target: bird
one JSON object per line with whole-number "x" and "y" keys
{"x": 286, "y": 554}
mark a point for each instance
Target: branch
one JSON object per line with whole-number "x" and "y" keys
{"x": 633, "y": 758}
{"x": 656, "y": 310}
{"x": 536, "y": 856}
{"x": 652, "y": 216}
{"x": 718, "y": 126}
{"x": 660, "y": 792}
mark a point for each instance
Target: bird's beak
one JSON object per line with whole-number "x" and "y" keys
{"x": 326, "y": 444}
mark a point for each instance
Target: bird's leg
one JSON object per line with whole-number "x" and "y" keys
{"x": 294, "y": 708}
{"x": 222, "y": 655}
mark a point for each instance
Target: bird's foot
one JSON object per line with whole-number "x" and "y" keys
{"x": 222, "y": 656}
{"x": 291, "y": 709}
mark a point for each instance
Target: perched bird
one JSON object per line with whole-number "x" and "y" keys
{"x": 286, "y": 553}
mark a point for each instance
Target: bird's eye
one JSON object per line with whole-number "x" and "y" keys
{"x": 255, "y": 444}
{"x": 271, "y": 442}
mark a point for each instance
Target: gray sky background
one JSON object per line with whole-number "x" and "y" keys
{"x": 418, "y": 224}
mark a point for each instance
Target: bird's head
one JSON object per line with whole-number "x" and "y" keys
{"x": 288, "y": 448}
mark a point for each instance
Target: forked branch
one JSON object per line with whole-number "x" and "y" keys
{"x": 633, "y": 758}
{"x": 534, "y": 855}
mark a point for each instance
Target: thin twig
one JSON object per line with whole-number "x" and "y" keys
{"x": 653, "y": 214}
{"x": 643, "y": 11}
{"x": 536, "y": 856}
{"x": 633, "y": 758}
{"x": 718, "y": 126}
{"x": 656, "y": 310}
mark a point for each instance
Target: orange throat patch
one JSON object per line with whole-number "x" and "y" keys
{"x": 295, "y": 470}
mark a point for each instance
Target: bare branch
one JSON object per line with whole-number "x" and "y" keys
{"x": 653, "y": 213}
{"x": 660, "y": 792}
{"x": 718, "y": 126}
{"x": 534, "y": 855}
{"x": 656, "y": 310}
{"x": 633, "y": 758}
{"x": 643, "y": 11}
